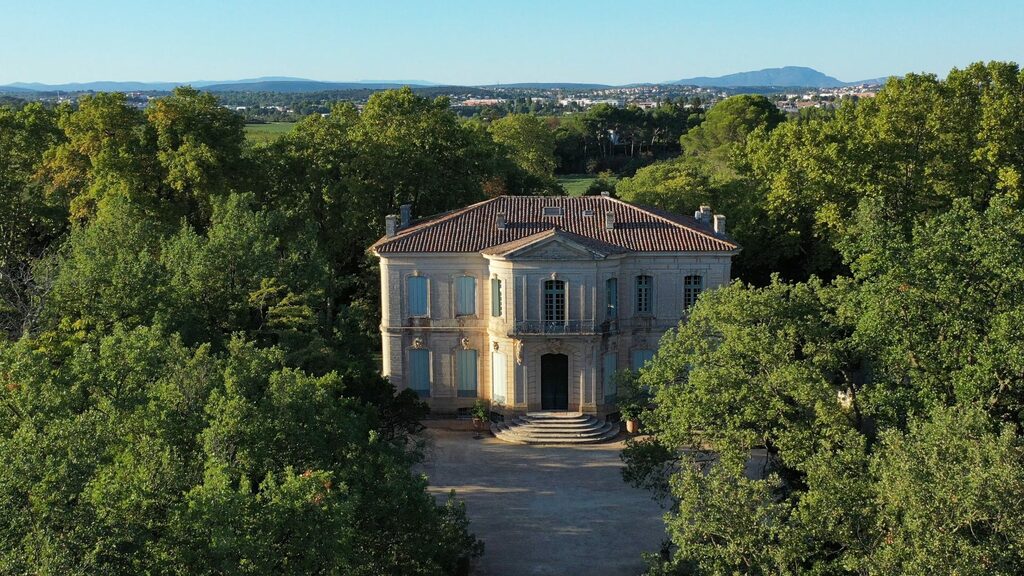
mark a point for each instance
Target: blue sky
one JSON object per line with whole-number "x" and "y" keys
{"x": 486, "y": 41}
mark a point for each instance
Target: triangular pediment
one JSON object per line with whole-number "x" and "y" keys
{"x": 551, "y": 245}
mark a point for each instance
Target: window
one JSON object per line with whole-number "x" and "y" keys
{"x": 610, "y": 386}
{"x": 692, "y": 287}
{"x": 553, "y": 211}
{"x": 495, "y": 297}
{"x": 419, "y": 372}
{"x": 554, "y": 301}
{"x": 641, "y": 357}
{"x": 643, "y": 294}
{"x": 465, "y": 296}
{"x": 417, "y": 295}
{"x": 498, "y": 377}
{"x": 611, "y": 292}
{"x": 466, "y": 372}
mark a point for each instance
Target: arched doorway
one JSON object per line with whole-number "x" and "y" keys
{"x": 554, "y": 382}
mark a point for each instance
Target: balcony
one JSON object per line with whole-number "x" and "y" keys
{"x": 567, "y": 327}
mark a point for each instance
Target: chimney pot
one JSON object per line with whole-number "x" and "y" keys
{"x": 609, "y": 220}
{"x": 720, "y": 223}
{"x": 391, "y": 224}
{"x": 406, "y": 211}
{"x": 499, "y": 221}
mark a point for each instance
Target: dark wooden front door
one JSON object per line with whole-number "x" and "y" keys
{"x": 554, "y": 382}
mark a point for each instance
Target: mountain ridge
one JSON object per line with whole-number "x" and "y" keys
{"x": 784, "y": 77}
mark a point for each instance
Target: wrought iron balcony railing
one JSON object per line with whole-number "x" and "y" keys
{"x": 524, "y": 327}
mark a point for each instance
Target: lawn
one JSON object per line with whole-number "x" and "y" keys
{"x": 260, "y": 133}
{"x": 577, "y": 184}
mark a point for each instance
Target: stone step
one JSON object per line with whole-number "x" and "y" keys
{"x": 555, "y": 429}
{"x": 555, "y": 425}
{"x": 570, "y": 429}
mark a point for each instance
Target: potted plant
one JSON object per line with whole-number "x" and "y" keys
{"x": 633, "y": 400}
{"x": 481, "y": 412}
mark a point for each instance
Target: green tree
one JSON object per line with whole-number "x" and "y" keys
{"x": 530, "y": 142}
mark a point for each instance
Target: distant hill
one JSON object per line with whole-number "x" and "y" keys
{"x": 297, "y": 86}
{"x": 263, "y": 84}
{"x": 787, "y": 76}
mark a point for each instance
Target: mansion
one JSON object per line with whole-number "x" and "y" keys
{"x": 534, "y": 303}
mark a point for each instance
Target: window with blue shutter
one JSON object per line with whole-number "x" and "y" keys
{"x": 416, "y": 295}
{"x": 419, "y": 372}
{"x": 611, "y": 291}
{"x": 641, "y": 357}
{"x": 499, "y": 377}
{"x": 610, "y": 387}
{"x": 465, "y": 296}
{"x": 495, "y": 297}
{"x": 466, "y": 372}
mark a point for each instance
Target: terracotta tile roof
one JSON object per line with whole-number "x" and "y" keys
{"x": 637, "y": 229}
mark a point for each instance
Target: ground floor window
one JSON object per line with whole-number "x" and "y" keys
{"x": 499, "y": 377}
{"x": 466, "y": 372}
{"x": 419, "y": 372}
{"x": 610, "y": 365}
{"x": 641, "y": 357}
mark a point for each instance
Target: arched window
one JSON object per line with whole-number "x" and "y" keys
{"x": 611, "y": 293}
{"x": 495, "y": 297}
{"x": 419, "y": 372}
{"x": 465, "y": 296}
{"x": 466, "y": 372}
{"x": 416, "y": 295}
{"x": 554, "y": 301}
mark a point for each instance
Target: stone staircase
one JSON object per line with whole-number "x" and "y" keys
{"x": 555, "y": 428}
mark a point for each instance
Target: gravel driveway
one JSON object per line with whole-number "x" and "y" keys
{"x": 546, "y": 509}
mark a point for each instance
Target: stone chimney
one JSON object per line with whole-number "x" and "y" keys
{"x": 705, "y": 215}
{"x": 406, "y": 211}
{"x": 499, "y": 221}
{"x": 720, "y": 223}
{"x": 391, "y": 224}
{"x": 609, "y": 220}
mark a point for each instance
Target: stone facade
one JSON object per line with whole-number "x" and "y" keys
{"x": 554, "y": 309}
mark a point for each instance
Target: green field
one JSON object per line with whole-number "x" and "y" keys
{"x": 577, "y": 184}
{"x": 259, "y": 133}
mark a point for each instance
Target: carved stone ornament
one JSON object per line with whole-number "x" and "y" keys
{"x": 556, "y": 344}
{"x": 495, "y": 344}
{"x": 417, "y": 343}
{"x": 519, "y": 352}
{"x": 465, "y": 343}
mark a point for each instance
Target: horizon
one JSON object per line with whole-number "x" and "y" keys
{"x": 466, "y": 44}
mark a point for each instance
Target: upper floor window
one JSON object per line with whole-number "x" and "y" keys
{"x": 466, "y": 372}
{"x": 644, "y": 286}
{"x": 495, "y": 297}
{"x": 692, "y": 287}
{"x": 416, "y": 295}
{"x": 419, "y": 372}
{"x": 554, "y": 301}
{"x": 611, "y": 294}
{"x": 465, "y": 296}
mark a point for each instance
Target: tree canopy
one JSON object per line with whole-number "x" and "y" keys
{"x": 869, "y": 422}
